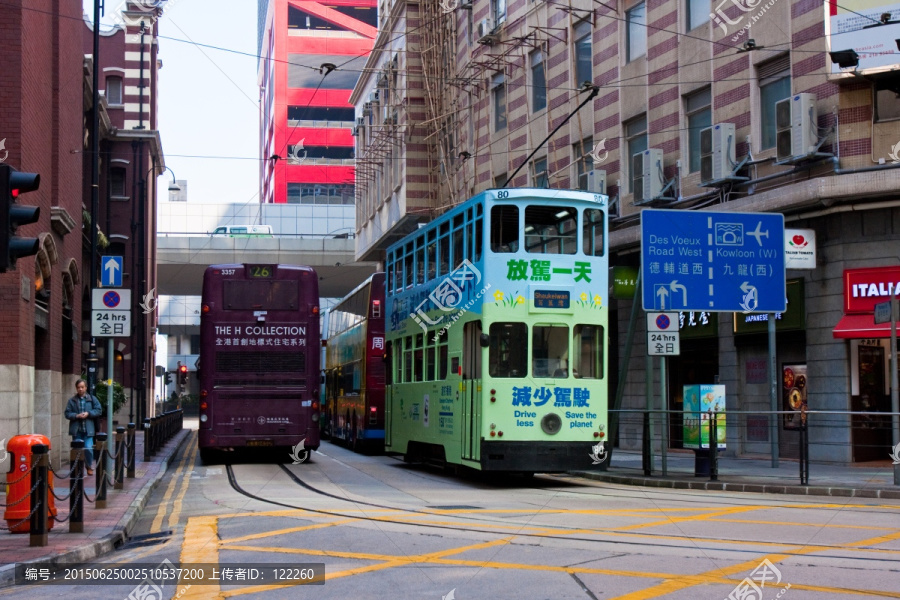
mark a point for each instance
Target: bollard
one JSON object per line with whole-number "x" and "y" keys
{"x": 647, "y": 454}
{"x": 713, "y": 448}
{"x": 41, "y": 456}
{"x": 99, "y": 449}
{"x": 146, "y": 439}
{"x": 76, "y": 488}
{"x": 130, "y": 451}
{"x": 154, "y": 434}
{"x": 119, "y": 473}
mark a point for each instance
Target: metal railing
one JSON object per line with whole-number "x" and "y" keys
{"x": 826, "y": 432}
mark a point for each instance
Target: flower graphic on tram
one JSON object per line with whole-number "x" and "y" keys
{"x": 498, "y": 296}
{"x": 298, "y": 454}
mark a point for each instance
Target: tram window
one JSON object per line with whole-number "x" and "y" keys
{"x": 588, "y": 352}
{"x": 398, "y": 274}
{"x": 420, "y": 261}
{"x": 508, "y": 355}
{"x": 479, "y": 238}
{"x": 418, "y": 357}
{"x": 429, "y": 361}
{"x": 551, "y": 230}
{"x": 442, "y": 361}
{"x": 390, "y": 276}
{"x": 408, "y": 265}
{"x": 458, "y": 253}
{"x": 444, "y": 254}
{"x": 550, "y": 351}
{"x": 407, "y": 359}
{"x": 504, "y": 228}
{"x": 431, "y": 257}
{"x": 593, "y": 232}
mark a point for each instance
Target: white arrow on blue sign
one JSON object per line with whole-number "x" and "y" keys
{"x": 712, "y": 261}
{"x": 111, "y": 271}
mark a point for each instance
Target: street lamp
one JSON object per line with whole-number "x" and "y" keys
{"x": 173, "y": 187}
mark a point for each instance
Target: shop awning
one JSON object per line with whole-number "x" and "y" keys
{"x": 862, "y": 326}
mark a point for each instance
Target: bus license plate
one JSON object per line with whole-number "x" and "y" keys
{"x": 260, "y": 443}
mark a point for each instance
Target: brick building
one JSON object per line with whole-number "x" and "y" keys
{"x": 457, "y": 94}
{"x": 44, "y": 322}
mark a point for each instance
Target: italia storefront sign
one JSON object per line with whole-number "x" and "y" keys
{"x": 864, "y": 288}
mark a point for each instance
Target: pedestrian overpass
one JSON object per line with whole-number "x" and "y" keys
{"x": 182, "y": 259}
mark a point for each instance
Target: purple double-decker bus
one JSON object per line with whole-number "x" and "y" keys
{"x": 259, "y": 359}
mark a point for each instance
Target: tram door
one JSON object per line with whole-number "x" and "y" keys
{"x": 470, "y": 394}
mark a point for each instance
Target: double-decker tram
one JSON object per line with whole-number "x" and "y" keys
{"x": 354, "y": 368}
{"x": 259, "y": 359}
{"x": 496, "y": 329}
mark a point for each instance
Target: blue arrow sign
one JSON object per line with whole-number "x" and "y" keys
{"x": 111, "y": 271}
{"x": 712, "y": 261}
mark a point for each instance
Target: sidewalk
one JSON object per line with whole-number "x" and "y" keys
{"x": 861, "y": 480}
{"x": 104, "y": 529}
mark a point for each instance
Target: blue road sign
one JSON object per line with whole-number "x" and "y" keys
{"x": 712, "y": 261}
{"x": 111, "y": 299}
{"x": 111, "y": 271}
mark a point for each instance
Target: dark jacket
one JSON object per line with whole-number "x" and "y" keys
{"x": 85, "y": 427}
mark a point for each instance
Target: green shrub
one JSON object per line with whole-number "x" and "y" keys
{"x": 101, "y": 390}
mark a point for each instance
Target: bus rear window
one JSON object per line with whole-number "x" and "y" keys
{"x": 259, "y": 294}
{"x": 504, "y": 228}
{"x": 588, "y": 352}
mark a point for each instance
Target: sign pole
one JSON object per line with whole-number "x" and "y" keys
{"x": 895, "y": 397}
{"x": 110, "y": 365}
{"x": 773, "y": 392}
{"x": 664, "y": 402}
{"x": 648, "y": 361}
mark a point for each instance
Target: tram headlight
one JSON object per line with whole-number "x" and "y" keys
{"x": 551, "y": 423}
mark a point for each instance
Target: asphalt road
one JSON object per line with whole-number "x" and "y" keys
{"x": 374, "y": 527}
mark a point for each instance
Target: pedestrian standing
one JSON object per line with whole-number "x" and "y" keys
{"x": 81, "y": 410}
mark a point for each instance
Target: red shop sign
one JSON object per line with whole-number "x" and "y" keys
{"x": 864, "y": 288}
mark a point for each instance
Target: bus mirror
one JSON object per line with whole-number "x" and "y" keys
{"x": 485, "y": 340}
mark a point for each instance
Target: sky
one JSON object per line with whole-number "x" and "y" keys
{"x": 208, "y": 98}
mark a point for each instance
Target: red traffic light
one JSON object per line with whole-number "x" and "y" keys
{"x": 182, "y": 369}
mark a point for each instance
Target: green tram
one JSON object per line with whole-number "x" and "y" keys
{"x": 496, "y": 334}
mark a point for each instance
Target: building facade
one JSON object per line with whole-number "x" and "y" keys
{"x": 311, "y": 54}
{"x": 459, "y": 95}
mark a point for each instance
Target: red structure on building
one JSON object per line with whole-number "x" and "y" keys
{"x": 311, "y": 53}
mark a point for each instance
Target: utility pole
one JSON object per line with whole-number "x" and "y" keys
{"x": 95, "y": 182}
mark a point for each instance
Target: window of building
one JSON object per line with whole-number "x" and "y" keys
{"x": 500, "y": 180}
{"x": 583, "y": 161}
{"x": 774, "y": 85}
{"x": 117, "y": 183}
{"x": 303, "y": 71}
{"x": 539, "y": 176}
{"x": 498, "y": 91}
{"x": 635, "y": 141}
{"x": 538, "y": 82}
{"x": 319, "y": 193}
{"x": 498, "y": 11}
{"x": 698, "y": 109}
{"x": 321, "y": 113}
{"x": 114, "y": 90}
{"x": 887, "y": 100}
{"x": 636, "y": 33}
{"x": 697, "y": 13}
{"x": 583, "y": 57}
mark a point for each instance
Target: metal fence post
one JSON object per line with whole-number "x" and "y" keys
{"x": 804, "y": 447}
{"x": 99, "y": 449}
{"x": 119, "y": 475}
{"x": 130, "y": 450}
{"x": 76, "y": 488}
{"x": 647, "y": 456}
{"x": 146, "y": 439}
{"x": 39, "y": 504}
{"x": 713, "y": 447}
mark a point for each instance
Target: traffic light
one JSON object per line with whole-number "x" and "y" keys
{"x": 168, "y": 377}
{"x": 12, "y": 185}
{"x": 182, "y": 375}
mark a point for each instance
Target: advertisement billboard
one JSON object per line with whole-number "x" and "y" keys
{"x": 699, "y": 401}
{"x": 869, "y": 27}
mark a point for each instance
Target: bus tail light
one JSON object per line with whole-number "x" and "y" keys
{"x": 315, "y": 405}
{"x": 204, "y": 309}
{"x": 204, "y": 393}
{"x": 315, "y": 310}
{"x": 204, "y": 405}
{"x": 376, "y": 309}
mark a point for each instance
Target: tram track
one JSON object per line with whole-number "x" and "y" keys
{"x": 483, "y": 525}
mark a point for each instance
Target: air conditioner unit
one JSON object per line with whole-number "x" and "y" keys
{"x": 484, "y": 32}
{"x": 596, "y": 181}
{"x": 717, "y": 157}
{"x": 367, "y": 109}
{"x": 796, "y": 128}
{"x": 387, "y": 116}
{"x": 647, "y": 175}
